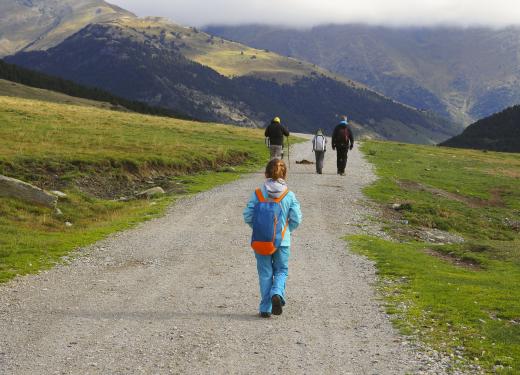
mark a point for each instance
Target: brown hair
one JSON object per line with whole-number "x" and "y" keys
{"x": 276, "y": 169}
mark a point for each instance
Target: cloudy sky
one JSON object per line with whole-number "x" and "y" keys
{"x": 312, "y": 12}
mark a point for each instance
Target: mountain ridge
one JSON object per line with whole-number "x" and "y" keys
{"x": 461, "y": 73}
{"x": 499, "y": 132}
{"x": 41, "y": 24}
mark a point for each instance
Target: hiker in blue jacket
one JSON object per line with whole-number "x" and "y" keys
{"x": 273, "y": 268}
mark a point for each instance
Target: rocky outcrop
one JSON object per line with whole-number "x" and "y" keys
{"x": 13, "y": 188}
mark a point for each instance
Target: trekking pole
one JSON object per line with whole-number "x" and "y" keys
{"x": 288, "y": 151}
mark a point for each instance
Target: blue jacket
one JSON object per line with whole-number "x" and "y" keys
{"x": 291, "y": 210}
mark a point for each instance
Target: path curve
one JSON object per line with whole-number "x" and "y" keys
{"x": 179, "y": 294}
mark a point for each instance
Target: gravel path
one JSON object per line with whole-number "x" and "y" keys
{"x": 179, "y": 294}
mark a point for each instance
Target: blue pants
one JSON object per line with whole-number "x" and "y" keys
{"x": 272, "y": 273}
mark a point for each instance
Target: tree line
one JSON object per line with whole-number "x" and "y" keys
{"x": 17, "y": 74}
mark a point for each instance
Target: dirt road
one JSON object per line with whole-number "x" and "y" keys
{"x": 179, "y": 294}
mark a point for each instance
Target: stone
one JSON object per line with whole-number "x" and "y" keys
{"x": 58, "y": 212}
{"x": 13, "y": 188}
{"x": 402, "y": 206}
{"x": 58, "y": 193}
{"x": 226, "y": 169}
{"x": 68, "y": 224}
{"x": 153, "y": 192}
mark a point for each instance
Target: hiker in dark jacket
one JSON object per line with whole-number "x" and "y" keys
{"x": 275, "y": 132}
{"x": 342, "y": 142}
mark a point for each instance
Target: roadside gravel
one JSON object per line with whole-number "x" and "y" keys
{"x": 179, "y": 294}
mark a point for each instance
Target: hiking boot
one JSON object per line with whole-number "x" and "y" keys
{"x": 277, "y": 304}
{"x": 265, "y": 315}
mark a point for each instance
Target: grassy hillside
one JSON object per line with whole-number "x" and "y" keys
{"x": 97, "y": 156}
{"x": 499, "y": 132}
{"x": 16, "y": 90}
{"x": 459, "y": 297}
{"x": 53, "y": 88}
{"x": 229, "y": 58}
{"x": 41, "y": 24}
{"x": 465, "y": 73}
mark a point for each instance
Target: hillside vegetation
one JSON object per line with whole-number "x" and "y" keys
{"x": 459, "y": 297}
{"x": 16, "y": 90}
{"x": 229, "y": 58}
{"x": 53, "y": 89}
{"x": 499, "y": 132}
{"x": 464, "y": 73}
{"x": 97, "y": 157}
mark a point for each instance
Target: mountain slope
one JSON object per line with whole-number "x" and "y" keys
{"x": 462, "y": 73}
{"x": 17, "y": 90}
{"x": 500, "y": 132}
{"x": 41, "y": 24}
{"x": 24, "y": 83}
{"x": 156, "y": 62}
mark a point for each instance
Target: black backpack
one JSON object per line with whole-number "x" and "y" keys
{"x": 343, "y": 137}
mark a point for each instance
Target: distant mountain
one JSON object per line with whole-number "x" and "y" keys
{"x": 499, "y": 132}
{"x": 161, "y": 63}
{"x": 27, "y": 25}
{"x": 464, "y": 73}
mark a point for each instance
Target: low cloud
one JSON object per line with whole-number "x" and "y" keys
{"x": 304, "y": 13}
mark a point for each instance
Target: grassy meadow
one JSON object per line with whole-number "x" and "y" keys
{"x": 461, "y": 298}
{"x": 96, "y": 156}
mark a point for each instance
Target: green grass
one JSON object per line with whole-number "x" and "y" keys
{"x": 61, "y": 145}
{"x": 462, "y": 299}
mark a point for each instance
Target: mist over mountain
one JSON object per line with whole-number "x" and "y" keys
{"x": 461, "y": 73}
{"x": 308, "y": 13}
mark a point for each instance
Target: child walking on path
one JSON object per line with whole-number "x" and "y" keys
{"x": 273, "y": 267}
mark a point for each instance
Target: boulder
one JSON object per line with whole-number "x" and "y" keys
{"x": 13, "y": 188}
{"x": 150, "y": 193}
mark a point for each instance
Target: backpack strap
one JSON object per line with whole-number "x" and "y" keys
{"x": 279, "y": 199}
{"x": 261, "y": 197}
